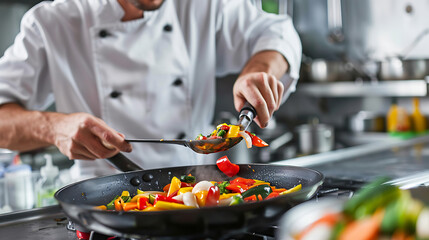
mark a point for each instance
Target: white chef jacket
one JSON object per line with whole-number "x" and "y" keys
{"x": 148, "y": 78}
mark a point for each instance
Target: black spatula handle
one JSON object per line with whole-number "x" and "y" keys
{"x": 123, "y": 163}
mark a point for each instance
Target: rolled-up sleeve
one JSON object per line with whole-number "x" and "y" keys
{"x": 23, "y": 69}
{"x": 243, "y": 30}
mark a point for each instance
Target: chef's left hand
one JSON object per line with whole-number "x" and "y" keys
{"x": 262, "y": 90}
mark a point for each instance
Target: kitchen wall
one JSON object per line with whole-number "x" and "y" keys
{"x": 10, "y": 19}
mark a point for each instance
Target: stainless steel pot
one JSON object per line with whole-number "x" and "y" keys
{"x": 365, "y": 121}
{"x": 315, "y": 138}
{"x": 320, "y": 70}
{"x": 396, "y": 68}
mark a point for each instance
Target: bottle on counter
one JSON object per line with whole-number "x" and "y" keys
{"x": 417, "y": 118}
{"x": 19, "y": 186}
{"x": 398, "y": 120}
{"x": 48, "y": 184}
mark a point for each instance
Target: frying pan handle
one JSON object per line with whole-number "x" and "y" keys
{"x": 123, "y": 163}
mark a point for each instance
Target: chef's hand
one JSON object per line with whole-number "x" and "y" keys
{"x": 259, "y": 85}
{"x": 83, "y": 136}
{"x": 263, "y": 91}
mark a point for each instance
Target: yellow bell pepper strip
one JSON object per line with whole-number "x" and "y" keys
{"x": 201, "y": 197}
{"x": 260, "y": 181}
{"x": 233, "y": 131}
{"x": 171, "y": 205}
{"x": 291, "y": 190}
{"x": 213, "y": 196}
{"x": 228, "y": 195}
{"x": 184, "y": 190}
{"x": 174, "y": 187}
{"x": 152, "y": 209}
{"x": 101, "y": 207}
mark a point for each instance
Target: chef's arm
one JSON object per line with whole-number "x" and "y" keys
{"x": 259, "y": 84}
{"x": 77, "y": 135}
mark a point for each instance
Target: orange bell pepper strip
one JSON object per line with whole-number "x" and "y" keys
{"x": 272, "y": 195}
{"x": 201, "y": 197}
{"x": 101, "y": 207}
{"x": 118, "y": 204}
{"x": 129, "y": 206}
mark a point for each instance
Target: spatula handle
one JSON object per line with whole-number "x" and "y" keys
{"x": 121, "y": 162}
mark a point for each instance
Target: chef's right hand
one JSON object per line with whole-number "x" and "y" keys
{"x": 83, "y": 136}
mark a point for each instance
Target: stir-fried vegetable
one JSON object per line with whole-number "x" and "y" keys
{"x": 231, "y": 131}
{"x": 185, "y": 192}
{"x": 202, "y": 194}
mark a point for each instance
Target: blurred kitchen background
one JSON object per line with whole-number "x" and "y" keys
{"x": 360, "y": 57}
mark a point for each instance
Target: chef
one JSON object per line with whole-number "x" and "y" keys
{"x": 138, "y": 69}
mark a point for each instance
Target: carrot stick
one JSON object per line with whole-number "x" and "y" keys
{"x": 364, "y": 229}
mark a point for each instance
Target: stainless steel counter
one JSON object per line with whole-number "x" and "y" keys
{"x": 405, "y": 161}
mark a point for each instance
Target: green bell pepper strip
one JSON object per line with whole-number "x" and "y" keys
{"x": 111, "y": 204}
{"x": 236, "y": 200}
{"x": 263, "y": 190}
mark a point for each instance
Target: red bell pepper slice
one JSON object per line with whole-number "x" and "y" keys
{"x": 142, "y": 203}
{"x": 227, "y": 167}
{"x": 224, "y": 127}
{"x": 159, "y": 197}
{"x": 245, "y": 181}
{"x": 272, "y": 195}
{"x": 256, "y": 141}
{"x": 213, "y": 196}
{"x": 237, "y": 187}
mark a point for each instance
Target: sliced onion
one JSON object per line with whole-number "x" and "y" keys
{"x": 189, "y": 199}
{"x": 225, "y": 202}
{"x": 201, "y": 186}
{"x": 247, "y": 138}
{"x": 178, "y": 197}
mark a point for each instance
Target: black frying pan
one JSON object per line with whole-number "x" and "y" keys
{"x": 78, "y": 201}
